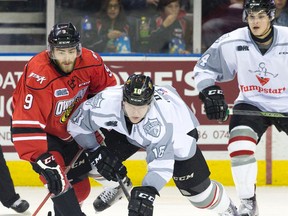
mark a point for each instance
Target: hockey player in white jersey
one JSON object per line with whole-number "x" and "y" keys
{"x": 258, "y": 56}
{"x": 157, "y": 120}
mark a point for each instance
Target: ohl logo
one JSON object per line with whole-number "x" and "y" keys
{"x": 262, "y": 74}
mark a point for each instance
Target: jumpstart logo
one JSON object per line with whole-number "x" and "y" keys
{"x": 262, "y": 74}
{"x": 261, "y": 89}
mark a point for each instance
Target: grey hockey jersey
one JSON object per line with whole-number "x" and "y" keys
{"x": 162, "y": 132}
{"x": 262, "y": 79}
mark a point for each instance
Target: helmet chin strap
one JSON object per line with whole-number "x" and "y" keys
{"x": 262, "y": 40}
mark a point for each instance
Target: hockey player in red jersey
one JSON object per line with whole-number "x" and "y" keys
{"x": 52, "y": 86}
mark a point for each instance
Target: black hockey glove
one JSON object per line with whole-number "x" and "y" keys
{"x": 56, "y": 179}
{"x": 107, "y": 164}
{"x": 214, "y": 103}
{"x": 141, "y": 201}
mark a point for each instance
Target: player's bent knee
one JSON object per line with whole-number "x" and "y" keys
{"x": 214, "y": 197}
{"x": 190, "y": 189}
{"x": 243, "y": 141}
{"x": 191, "y": 176}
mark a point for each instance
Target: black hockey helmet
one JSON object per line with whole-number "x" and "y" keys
{"x": 64, "y": 35}
{"x": 138, "y": 90}
{"x": 258, "y": 5}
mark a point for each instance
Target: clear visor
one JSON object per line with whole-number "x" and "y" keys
{"x": 67, "y": 49}
{"x": 257, "y": 11}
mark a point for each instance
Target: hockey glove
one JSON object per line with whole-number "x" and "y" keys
{"x": 141, "y": 201}
{"x": 55, "y": 177}
{"x": 214, "y": 103}
{"x": 107, "y": 164}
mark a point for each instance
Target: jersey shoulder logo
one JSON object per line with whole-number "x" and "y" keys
{"x": 95, "y": 101}
{"x": 153, "y": 127}
{"x": 38, "y": 78}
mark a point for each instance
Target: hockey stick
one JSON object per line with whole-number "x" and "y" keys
{"x": 66, "y": 171}
{"x": 127, "y": 195}
{"x": 258, "y": 113}
{"x": 123, "y": 187}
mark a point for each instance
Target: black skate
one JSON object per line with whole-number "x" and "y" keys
{"x": 20, "y": 206}
{"x": 110, "y": 195}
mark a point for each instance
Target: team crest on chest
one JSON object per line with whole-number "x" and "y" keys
{"x": 152, "y": 127}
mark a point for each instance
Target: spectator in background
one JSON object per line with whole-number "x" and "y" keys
{"x": 8, "y": 196}
{"x": 281, "y": 14}
{"x": 139, "y": 14}
{"x": 230, "y": 19}
{"x": 110, "y": 33}
{"x": 171, "y": 31}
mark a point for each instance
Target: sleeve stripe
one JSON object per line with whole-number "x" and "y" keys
{"x": 29, "y": 138}
{"x": 20, "y": 122}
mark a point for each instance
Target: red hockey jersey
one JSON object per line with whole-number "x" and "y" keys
{"x": 45, "y": 98}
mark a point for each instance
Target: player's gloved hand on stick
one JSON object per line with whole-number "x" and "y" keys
{"x": 141, "y": 201}
{"x": 107, "y": 164}
{"x": 55, "y": 177}
{"x": 214, "y": 103}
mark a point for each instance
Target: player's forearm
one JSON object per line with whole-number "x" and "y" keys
{"x": 157, "y": 179}
{"x": 87, "y": 141}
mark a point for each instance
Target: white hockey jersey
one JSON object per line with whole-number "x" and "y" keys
{"x": 262, "y": 79}
{"x": 162, "y": 132}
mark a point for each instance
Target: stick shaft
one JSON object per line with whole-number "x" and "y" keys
{"x": 257, "y": 113}
{"x": 127, "y": 195}
{"x": 42, "y": 204}
{"x": 123, "y": 187}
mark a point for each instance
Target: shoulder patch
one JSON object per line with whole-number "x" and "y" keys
{"x": 95, "y": 101}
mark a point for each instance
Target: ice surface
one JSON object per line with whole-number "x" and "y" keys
{"x": 272, "y": 202}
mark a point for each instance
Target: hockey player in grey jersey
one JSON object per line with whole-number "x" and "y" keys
{"x": 158, "y": 120}
{"x": 257, "y": 55}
